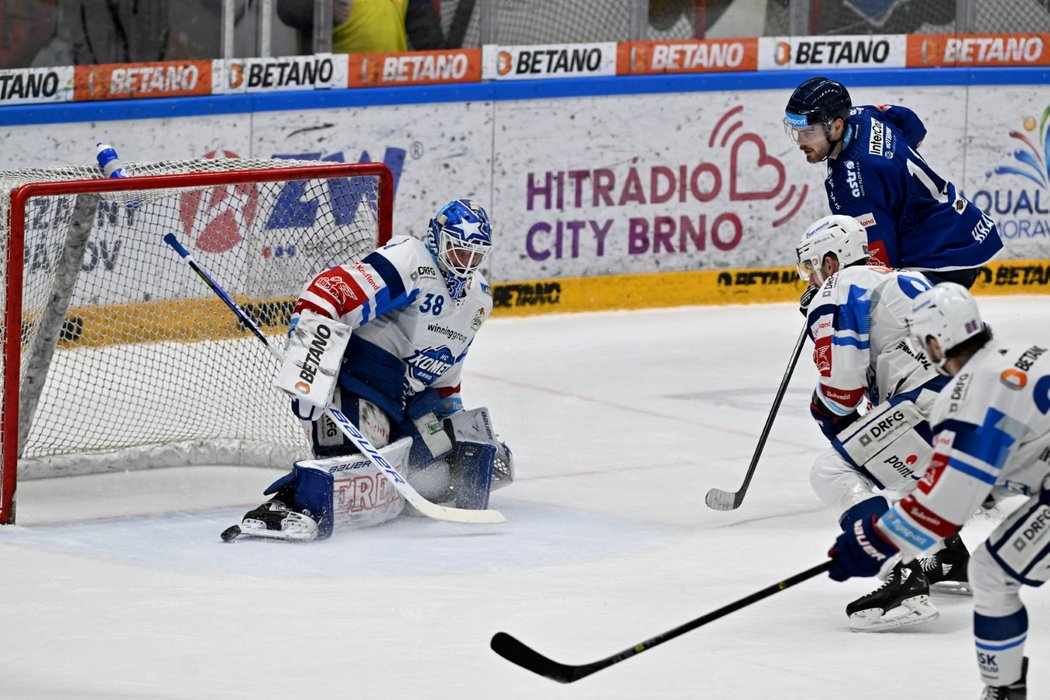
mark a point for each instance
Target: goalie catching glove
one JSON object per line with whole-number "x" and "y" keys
{"x": 312, "y": 359}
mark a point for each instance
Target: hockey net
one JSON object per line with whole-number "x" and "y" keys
{"x": 115, "y": 355}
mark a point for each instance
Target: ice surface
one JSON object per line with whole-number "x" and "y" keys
{"x": 117, "y": 586}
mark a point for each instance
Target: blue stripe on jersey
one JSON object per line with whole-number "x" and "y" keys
{"x": 848, "y": 340}
{"x": 1012, "y": 627}
{"x": 987, "y": 442}
{"x": 855, "y": 314}
{"x": 391, "y": 277}
{"x": 971, "y": 471}
{"x": 912, "y": 284}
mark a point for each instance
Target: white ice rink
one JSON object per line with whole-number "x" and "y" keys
{"x": 118, "y": 586}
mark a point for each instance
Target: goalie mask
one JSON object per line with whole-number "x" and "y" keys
{"x": 842, "y": 236}
{"x": 946, "y": 312}
{"x": 460, "y": 239}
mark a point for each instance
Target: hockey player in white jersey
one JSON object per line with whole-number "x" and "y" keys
{"x": 991, "y": 438}
{"x": 861, "y": 353}
{"x": 384, "y": 339}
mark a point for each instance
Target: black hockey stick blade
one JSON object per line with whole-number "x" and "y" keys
{"x": 519, "y": 653}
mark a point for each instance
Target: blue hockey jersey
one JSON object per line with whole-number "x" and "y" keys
{"x": 915, "y": 219}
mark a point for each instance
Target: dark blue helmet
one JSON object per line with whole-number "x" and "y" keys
{"x": 817, "y": 101}
{"x": 460, "y": 239}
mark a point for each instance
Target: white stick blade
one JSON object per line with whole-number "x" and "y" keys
{"x": 457, "y": 515}
{"x": 717, "y": 499}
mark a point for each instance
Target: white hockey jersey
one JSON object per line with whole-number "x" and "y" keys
{"x": 860, "y": 342}
{"x": 409, "y": 335}
{"x": 991, "y": 428}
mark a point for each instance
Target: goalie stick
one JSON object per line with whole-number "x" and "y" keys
{"x": 427, "y": 508}
{"x": 528, "y": 658}
{"x": 718, "y": 499}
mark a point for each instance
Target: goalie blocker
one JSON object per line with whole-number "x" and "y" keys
{"x": 459, "y": 460}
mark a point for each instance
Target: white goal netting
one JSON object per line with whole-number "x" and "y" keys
{"x": 125, "y": 358}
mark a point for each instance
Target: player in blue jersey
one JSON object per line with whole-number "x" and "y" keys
{"x": 915, "y": 219}
{"x": 383, "y": 339}
{"x": 991, "y": 440}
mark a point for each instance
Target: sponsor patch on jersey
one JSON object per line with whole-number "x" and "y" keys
{"x": 1013, "y": 379}
{"x": 853, "y": 179}
{"x": 877, "y": 138}
{"x": 938, "y": 462}
{"x": 479, "y": 318}
{"x": 866, "y": 220}
{"x": 340, "y": 287}
{"x": 822, "y": 356}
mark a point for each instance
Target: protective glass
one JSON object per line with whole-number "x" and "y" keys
{"x": 806, "y": 135}
{"x": 809, "y": 269}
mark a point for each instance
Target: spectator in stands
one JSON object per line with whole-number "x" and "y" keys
{"x": 27, "y": 25}
{"x": 370, "y": 26}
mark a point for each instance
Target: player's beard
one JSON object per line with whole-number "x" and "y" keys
{"x": 816, "y": 154}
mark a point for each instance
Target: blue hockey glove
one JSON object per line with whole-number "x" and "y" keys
{"x": 860, "y": 551}
{"x": 831, "y": 424}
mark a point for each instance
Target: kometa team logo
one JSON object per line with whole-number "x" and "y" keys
{"x": 428, "y": 364}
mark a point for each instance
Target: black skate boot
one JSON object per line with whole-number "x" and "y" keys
{"x": 903, "y": 600}
{"x": 1018, "y": 690}
{"x": 946, "y": 569}
{"x": 274, "y": 520}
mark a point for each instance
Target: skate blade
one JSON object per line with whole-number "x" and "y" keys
{"x": 960, "y": 588}
{"x": 912, "y": 611}
{"x": 255, "y": 528}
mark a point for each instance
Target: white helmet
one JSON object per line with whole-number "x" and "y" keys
{"x": 842, "y": 235}
{"x": 946, "y": 311}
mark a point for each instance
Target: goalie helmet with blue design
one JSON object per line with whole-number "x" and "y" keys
{"x": 460, "y": 239}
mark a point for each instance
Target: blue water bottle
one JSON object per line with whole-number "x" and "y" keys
{"x": 109, "y": 161}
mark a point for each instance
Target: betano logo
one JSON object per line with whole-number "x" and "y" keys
{"x": 504, "y": 62}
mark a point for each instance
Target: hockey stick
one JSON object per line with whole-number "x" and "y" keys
{"x": 518, "y": 653}
{"x": 731, "y": 500}
{"x": 427, "y": 508}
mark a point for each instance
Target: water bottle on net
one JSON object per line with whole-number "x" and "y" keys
{"x": 108, "y": 160}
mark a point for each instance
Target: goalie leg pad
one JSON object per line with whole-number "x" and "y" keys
{"x": 473, "y": 464}
{"x": 475, "y": 425}
{"x": 307, "y": 489}
{"x": 329, "y": 441}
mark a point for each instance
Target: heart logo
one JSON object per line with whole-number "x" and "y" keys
{"x": 763, "y": 169}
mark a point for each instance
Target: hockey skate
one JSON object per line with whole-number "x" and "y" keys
{"x": 903, "y": 600}
{"x": 946, "y": 569}
{"x": 274, "y": 520}
{"x": 1018, "y": 690}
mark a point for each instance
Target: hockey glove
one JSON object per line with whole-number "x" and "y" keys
{"x": 831, "y": 424}
{"x": 860, "y": 550}
{"x": 806, "y": 298}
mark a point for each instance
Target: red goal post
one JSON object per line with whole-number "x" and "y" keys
{"x": 114, "y": 356}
